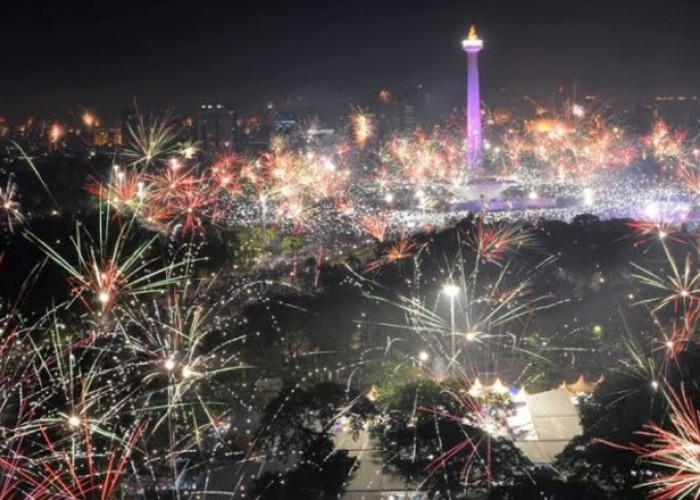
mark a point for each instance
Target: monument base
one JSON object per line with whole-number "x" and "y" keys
{"x": 490, "y": 194}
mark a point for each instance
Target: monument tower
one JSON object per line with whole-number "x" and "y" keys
{"x": 475, "y": 146}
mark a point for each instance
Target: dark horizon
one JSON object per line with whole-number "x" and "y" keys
{"x": 183, "y": 53}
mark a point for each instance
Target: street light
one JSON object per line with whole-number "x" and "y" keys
{"x": 451, "y": 290}
{"x": 423, "y": 356}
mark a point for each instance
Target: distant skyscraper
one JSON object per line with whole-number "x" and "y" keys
{"x": 475, "y": 154}
{"x": 414, "y": 108}
{"x": 127, "y": 119}
{"x": 678, "y": 110}
{"x": 215, "y": 127}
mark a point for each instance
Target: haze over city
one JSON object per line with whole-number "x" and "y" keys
{"x": 178, "y": 54}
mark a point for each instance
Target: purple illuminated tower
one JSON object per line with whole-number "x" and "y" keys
{"x": 475, "y": 152}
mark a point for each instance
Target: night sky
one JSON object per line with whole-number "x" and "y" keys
{"x": 178, "y": 53}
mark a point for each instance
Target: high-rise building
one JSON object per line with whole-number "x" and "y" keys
{"x": 127, "y": 121}
{"x": 414, "y": 108}
{"x": 678, "y": 110}
{"x": 216, "y": 125}
{"x": 475, "y": 154}
{"x": 103, "y": 136}
{"x": 386, "y": 116}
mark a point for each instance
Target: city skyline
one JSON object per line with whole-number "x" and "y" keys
{"x": 180, "y": 55}
{"x": 337, "y": 250}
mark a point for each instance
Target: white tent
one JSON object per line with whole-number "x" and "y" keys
{"x": 546, "y": 422}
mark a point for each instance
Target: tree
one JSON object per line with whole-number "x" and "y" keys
{"x": 429, "y": 437}
{"x": 297, "y": 429}
{"x": 614, "y": 415}
{"x": 609, "y": 415}
{"x": 252, "y": 243}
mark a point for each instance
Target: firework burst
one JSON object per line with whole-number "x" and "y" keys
{"x": 362, "y": 126}
{"x": 10, "y": 206}
{"x": 676, "y": 451}
{"x": 151, "y": 141}
{"x": 401, "y": 249}
{"x": 477, "y": 315}
{"x": 376, "y": 226}
{"x": 492, "y": 242}
{"x": 107, "y": 269}
{"x": 678, "y": 289}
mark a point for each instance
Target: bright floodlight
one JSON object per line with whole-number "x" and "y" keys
{"x": 588, "y": 197}
{"x": 450, "y": 289}
{"x": 498, "y": 387}
{"x": 423, "y": 356}
{"x": 652, "y": 210}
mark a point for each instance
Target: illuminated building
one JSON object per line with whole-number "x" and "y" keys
{"x": 475, "y": 154}
{"x": 106, "y": 137}
{"x": 414, "y": 108}
{"x": 215, "y": 127}
{"x": 127, "y": 118}
{"x": 677, "y": 110}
